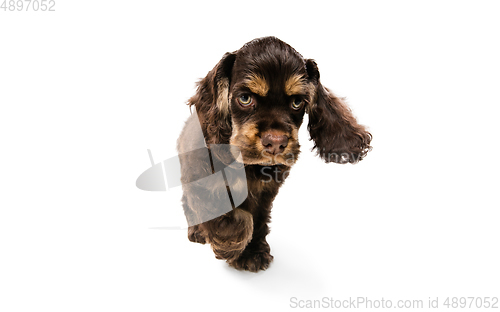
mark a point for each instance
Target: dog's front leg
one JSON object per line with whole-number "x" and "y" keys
{"x": 229, "y": 234}
{"x": 257, "y": 254}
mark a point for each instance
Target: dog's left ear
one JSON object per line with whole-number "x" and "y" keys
{"x": 212, "y": 100}
{"x": 336, "y": 134}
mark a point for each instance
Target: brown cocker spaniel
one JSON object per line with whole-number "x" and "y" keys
{"x": 255, "y": 99}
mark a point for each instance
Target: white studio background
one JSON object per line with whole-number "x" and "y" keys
{"x": 87, "y": 89}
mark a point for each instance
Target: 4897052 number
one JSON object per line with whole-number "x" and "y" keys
{"x": 28, "y": 5}
{"x": 471, "y": 302}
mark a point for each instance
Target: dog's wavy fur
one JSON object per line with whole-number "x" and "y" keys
{"x": 273, "y": 74}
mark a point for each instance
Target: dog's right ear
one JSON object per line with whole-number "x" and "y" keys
{"x": 212, "y": 98}
{"x": 337, "y": 135}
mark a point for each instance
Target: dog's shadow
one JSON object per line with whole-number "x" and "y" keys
{"x": 292, "y": 271}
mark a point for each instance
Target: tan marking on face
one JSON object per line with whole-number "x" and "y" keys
{"x": 249, "y": 131}
{"x": 246, "y": 134}
{"x": 295, "y": 134}
{"x": 247, "y": 139}
{"x": 222, "y": 96}
{"x": 257, "y": 84}
{"x": 296, "y": 84}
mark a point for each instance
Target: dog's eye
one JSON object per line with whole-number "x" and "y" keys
{"x": 245, "y": 100}
{"x": 297, "y": 103}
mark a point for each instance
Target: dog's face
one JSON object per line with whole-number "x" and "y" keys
{"x": 256, "y": 97}
{"x": 268, "y": 95}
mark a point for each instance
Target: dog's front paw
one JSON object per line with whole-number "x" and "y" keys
{"x": 252, "y": 261}
{"x": 195, "y": 235}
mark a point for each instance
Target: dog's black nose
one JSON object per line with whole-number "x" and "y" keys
{"x": 274, "y": 143}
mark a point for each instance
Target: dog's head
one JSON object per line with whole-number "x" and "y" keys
{"x": 256, "y": 97}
